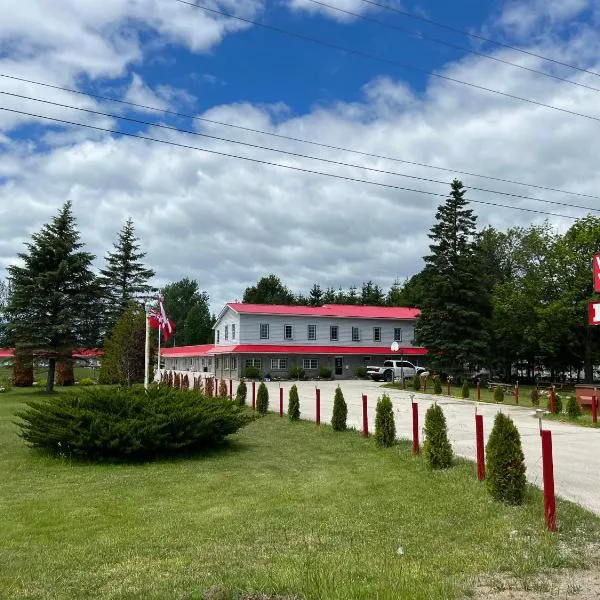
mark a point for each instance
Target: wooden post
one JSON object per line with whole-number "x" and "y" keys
{"x": 318, "y": 407}
{"x": 280, "y": 401}
{"x": 548, "y": 467}
{"x": 365, "y": 428}
{"x": 478, "y": 391}
{"x": 517, "y": 392}
{"x": 230, "y": 389}
{"x": 415, "y": 424}
{"x": 254, "y": 395}
{"x": 552, "y": 399}
{"x": 480, "y": 447}
{"x": 594, "y": 407}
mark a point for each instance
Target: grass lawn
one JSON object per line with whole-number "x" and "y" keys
{"x": 42, "y": 374}
{"x": 286, "y": 508}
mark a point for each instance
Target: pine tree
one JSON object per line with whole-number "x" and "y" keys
{"x": 340, "y": 411}
{"x": 54, "y": 300}
{"x": 125, "y": 277}
{"x": 456, "y": 302}
{"x": 316, "y": 295}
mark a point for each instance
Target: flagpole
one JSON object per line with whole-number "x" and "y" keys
{"x": 158, "y": 363}
{"x": 147, "y": 348}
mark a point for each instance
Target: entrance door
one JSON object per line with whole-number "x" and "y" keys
{"x": 339, "y": 365}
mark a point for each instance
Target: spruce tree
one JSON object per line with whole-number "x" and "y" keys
{"x": 124, "y": 278}
{"x": 54, "y": 300}
{"x": 455, "y": 305}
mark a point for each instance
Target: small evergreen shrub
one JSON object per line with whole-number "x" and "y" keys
{"x": 505, "y": 462}
{"x": 297, "y": 372}
{"x": 251, "y": 372}
{"x": 498, "y": 394}
{"x": 294, "y": 404}
{"x": 361, "y": 372}
{"x": 210, "y": 387}
{"x": 573, "y": 408}
{"x": 340, "y": 411}
{"x": 558, "y": 405}
{"x": 416, "y": 382}
{"x": 437, "y": 385}
{"x": 65, "y": 375}
{"x": 86, "y": 381}
{"x": 465, "y": 392}
{"x": 223, "y": 389}
{"x": 22, "y": 368}
{"x": 262, "y": 399}
{"x": 534, "y": 396}
{"x": 436, "y": 447}
{"x": 98, "y": 423}
{"x": 325, "y": 372}
{"x": 177, "y": 381}
{"x": 385, "y": 427}
{"x": 241, "y": 393}
{"x": 185, "y": 383}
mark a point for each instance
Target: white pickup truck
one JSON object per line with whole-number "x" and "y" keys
{"x": 393, "y": 369}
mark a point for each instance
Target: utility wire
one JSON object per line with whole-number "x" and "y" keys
{"x": 389, "y": 61}
{"x": 423, "y": 36}
{"x": 477, "y": 37}
{"x": 293, "y": 139}
{"x": 287, "y": 152}
{"x": 272, "y": 164}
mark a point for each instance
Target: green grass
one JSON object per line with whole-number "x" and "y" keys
{"x": 42, "y": 374}
{"x": 286, "y": 508}
{"x": 584, "y": 421}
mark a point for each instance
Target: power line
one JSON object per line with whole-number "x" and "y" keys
{"x": 289, "y": 153}
{"x": 294, "y": 139}
{"x": 282, "y": 166}
{"x": 423, "y": 36}
{"x": 389, "y": 61}
{"x": 477, "y": 37}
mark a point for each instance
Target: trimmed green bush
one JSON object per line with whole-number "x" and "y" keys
{"x": 65, "y": 374}
{"x": 297, "y": 372}
{"x": 325, "y": 372}
{"x": 437, "y": 384}
{"x": 241, "y": 393}
{"x": 436, "y": 447}
{"x": 361, "y": 372}
{"x": 209, "y": 388}
{"x": 416, "y": 382}
{"x": 573, "y": 407}
{"x": 498, "y": 394}
{"x": 534, "y": 396}
{"x": 465, "y": 392}
{"x": 5, "y": 384}
{"x": 505, "y": 462}
{"x": 558, "y": 405}
{"x": 98, "y": 423}
{"x": 262, "y": 399}
{"x": 385, "y": 427}
{"x": 86, "y": 381}
{"x": 251, "y": 372}
{"x": 293, "y": 404}
{"x": 223, "y": 389}
{"x": 340, "y": 411}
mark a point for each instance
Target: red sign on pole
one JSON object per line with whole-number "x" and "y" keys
{"x": 597, "y": 272}
{"x": 594, "y": 313}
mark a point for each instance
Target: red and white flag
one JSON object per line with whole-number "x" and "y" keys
{"x": 158, "y": 320}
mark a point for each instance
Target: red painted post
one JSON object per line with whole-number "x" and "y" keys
{"x": 280, "y": 401}
{"x": 517, "y": 392}
{"x": 318, "y": 401}
{"x": 480, "y": 448}
{"x": 365, "y": 430}
{"x": 594, "y": 407}
{"x": 552, "y": 399}
{"x": 254, "y": 395}
{"x": 449, "y": 386}
{"x": 548, "y": 466}
{"x": 415, "y": 420}
{"x": 478, "y": 391}
{"x": 231, "y": 389}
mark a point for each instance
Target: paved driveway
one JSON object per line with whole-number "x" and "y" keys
{"x": 576, "y": 449}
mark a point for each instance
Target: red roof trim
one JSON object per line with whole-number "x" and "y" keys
{"x": 184, "y": 351}
{"x": 328, "y": 310}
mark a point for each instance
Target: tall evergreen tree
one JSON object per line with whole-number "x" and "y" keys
{"x": 456, "y": 301}
{"x": 179, "y": 298}
{"x": 199, "y": 323}
{"x": 371, "y": 294}
{"x": 4, "y": 295}
{"x": 269, "y": 290}
{"x": 316, "y": 295}
{"x": 54, "y": 296}
{"x": 125, "y": 277}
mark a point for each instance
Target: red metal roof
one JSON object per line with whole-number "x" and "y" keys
{"x": 328, "y": 310}
{"x": 186, "y": 351}
{"x": 6, "y": 352}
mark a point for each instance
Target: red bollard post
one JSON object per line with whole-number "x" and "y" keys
{"x": 552, "y": 399}
{"x": 480, "y": 448}
{"x": 254, "y": 395}
{"x": 365, "y": 430}
{"x": 517, "y": 392}
{"x": 231, "y": 389}
{"x": 415, "y": 420}
{"x": 548, "y": 466}
{"x": 594, "y": 407}
{"x": 478, "y": 391}
{"x": 280, "y": 401}
{"x": 318, "y": 401}
{"x": 449, "y": 394}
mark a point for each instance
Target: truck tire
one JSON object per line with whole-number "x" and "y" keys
{"x": 387, "y": 376}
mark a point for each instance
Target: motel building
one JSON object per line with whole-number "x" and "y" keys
{"x": 275, "y": 338}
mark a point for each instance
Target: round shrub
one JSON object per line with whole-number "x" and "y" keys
{"x": 86, "y": 381}
{"x": 534, "y": 396}
{"x": 558, "y": 405}
{"x": 385, "y": 427}
{"x": 241, "y": 393}
{"x": 223, "y": 389}
{"x": 505, "y": 463}
{"x": 251, "y": 372}
{"x": 294, "y": 404}
{"x": 325, "y": 372}
{"x": 436, "y": 447}
{"x": 361, "y": 372}
{"x": 297, "y": 372}
{"x": 340, "y": 411}
{"x": 98, "y": 423}
{"x": 573, "y": 408}
{"x": 437, "y": 384}
{"x": 416, "y": 382}
{"x": 465, "y": 392}
{"x": 498, "y": 394}
{"x": 262, "y": 399}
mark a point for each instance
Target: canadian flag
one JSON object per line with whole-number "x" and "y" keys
{"x": 158, "y": 320}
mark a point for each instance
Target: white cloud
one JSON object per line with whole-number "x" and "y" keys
{"x": 351, "y": 6}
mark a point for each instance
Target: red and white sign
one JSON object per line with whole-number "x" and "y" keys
{"x": 594, "y": 313}
{"x": 597, "y": 272}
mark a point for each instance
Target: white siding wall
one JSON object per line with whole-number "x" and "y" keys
{"x": 249, "y": 330}
{"x": 228, "y": 319}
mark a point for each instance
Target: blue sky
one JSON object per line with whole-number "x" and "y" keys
{"x": 226, "y": 222}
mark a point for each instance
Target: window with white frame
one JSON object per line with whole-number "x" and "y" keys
{"x": 226, "y": 363}
{"x": 233, "y": 331}
{"x": 312, "y": 332}
{"x": 288, "y": 332}
{"x": 254, "y": 362}
{"x": 226, "y": 332}
{"x": 355, "y": 334}
{"x": 397, "y": 334}
{"x": 233, "y": 362}
{"x": 279, "y": 364}
{"x": 310, "y": 364}
{"x": 376, "y": 334}
{"x": 334, "y": 333}
{"x": 264, "y": 331}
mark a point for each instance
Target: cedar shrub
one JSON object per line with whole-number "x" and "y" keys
{"x": 223, "y": 391}
{"x": 437, "y": 384}
{"x": 294, "y": 404}
{"x": 573, "y": 407}
{"x": 340, "y": 411}
{"x": 385, "y": 427}
{"x": 22, "y": 368}
{"x": 416, "y": 382}
{"x": 241, "y": 393}
{"x": 534, "y": 396}
{"x": 498, "y": 394}
{"x": 262, "y": 399}
{"x": 465, "y": 392}
{"x": 558, "y": 405}
{"x": 210, "y": 387}
{"x": 65, "y": 375}
{"x": 436, "y": 447}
